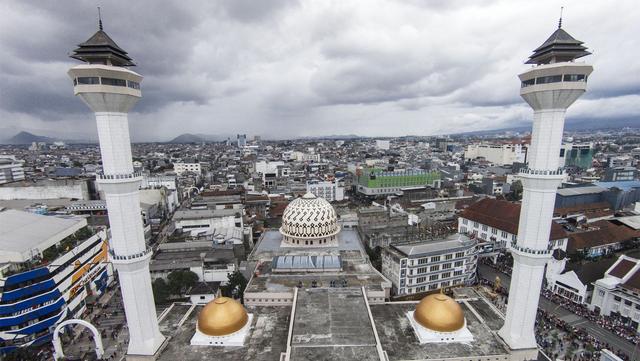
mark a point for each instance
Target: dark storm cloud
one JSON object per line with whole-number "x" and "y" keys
{"x": 287, "y": 67}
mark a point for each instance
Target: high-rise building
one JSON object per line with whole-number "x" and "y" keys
{"x": 553, "y": 83}
{"x": 105, "y": 84}
{"x": 242, "y": 140}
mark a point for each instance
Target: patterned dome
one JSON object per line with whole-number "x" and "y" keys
{"x": 310, "y": 221}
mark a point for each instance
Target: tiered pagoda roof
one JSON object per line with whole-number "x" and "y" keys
{"x": 559, "y": 47}
{"x": 101, "y": 49}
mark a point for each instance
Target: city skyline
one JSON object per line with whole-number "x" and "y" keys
{"x": 295, "y": 69}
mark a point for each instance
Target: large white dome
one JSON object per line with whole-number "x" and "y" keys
{"x": 310, "y": 221}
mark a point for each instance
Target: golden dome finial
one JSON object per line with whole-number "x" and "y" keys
{"x": 222, "y": 316}
{"x": 439, "y": 312}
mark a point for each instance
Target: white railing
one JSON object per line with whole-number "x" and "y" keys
{"x": 541, "y": 252}
{"x": 130, "y": 257}
{"x": 559, "y": 171}
{"x": 118, "y": 176}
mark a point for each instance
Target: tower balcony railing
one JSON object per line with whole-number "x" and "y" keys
{"x": 130, "y": 257}
{"x": 539, "y": 252}
{"x": 559, "y": 171}
{"x": 102, "y": 176}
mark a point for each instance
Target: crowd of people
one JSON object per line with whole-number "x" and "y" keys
{"x": 612, "y": 323}
{"x": 570, "y": 343}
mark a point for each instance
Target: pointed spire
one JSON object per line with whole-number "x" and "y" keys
{"x": 99, "y": 19}
{"x": 560, "y": 21}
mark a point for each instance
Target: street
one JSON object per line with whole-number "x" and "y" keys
{"x": 567, "y": 316}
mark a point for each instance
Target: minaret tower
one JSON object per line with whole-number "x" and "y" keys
{"x": 550, "y": 86}
{"x": 110, "y": 90}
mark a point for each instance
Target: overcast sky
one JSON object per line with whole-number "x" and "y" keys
{"x": 286, "y": 68}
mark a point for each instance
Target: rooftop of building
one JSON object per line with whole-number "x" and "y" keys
{"x": 22, "y": 233}
{"x": 450, "y": 243}
{"x": 266, "y": 340}
{"x": 187, "y": 214}
{"x": 601, "y": 233}
{"x": 503, "y": 215}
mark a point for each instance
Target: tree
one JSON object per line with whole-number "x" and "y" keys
{"x": 235, "y": 285}
{"x": 516, "y": 191}
{"x": 181, "y": 281}
{"x": 160, "y": 290}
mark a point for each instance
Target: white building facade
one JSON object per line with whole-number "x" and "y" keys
{"x": 427, "y": 266}
{"x": 330, "y": 191}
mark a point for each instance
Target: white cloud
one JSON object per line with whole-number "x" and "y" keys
{"x": 296, "y": 68}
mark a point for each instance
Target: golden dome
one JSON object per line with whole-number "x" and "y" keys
{"x": 439, "y": 312}
{"x": 222, "y": 316}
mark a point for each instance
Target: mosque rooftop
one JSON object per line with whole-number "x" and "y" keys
{"x": 266, "y": 340}
{"x": 334, "y": 324}
{"x": 400, "y": 342}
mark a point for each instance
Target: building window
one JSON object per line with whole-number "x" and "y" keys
{"x": 435, "y": 259}
{"x": 484, "y": 227}
{"x": 504, "y": 234}
{"x": 114, "y": 82}
{"x": 423, "y": 260}
{"x": 575, "y": 77}
{"x": 475, "y": 224}
{"x": 88, "y": 80}
{"x": 448, "y": 257}
{"x": 421, "y": 279}
{"x": 446, "y": 266}
{"x": 458, "y": 263}
{"x": 494, "y": 231}
{"x": 457, "y": 273}
{"x": 433, "y": 286}
{"x": 617, "y": 298}
{"x": 465, "y": 221}
{"x": 446, "y": 275}
{"x": 549, "y": 79}
{"x": 434, "y": 268}
{"x": 433, "y": 277}
{"x": 459, "y": 254}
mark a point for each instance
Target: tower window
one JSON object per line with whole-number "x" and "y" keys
{"x": 88, "y": 80}
{"x": 114, "y": 82}
{"x": 549, "y": 79}
{"x": 575, "y": 77}
{"x": 133, "y": 84}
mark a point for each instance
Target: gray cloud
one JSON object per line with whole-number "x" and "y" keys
{"x": 284, "y": 68}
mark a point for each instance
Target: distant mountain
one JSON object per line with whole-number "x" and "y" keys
{"x": 196, "y": 138}
{"x": 28, "y": 138}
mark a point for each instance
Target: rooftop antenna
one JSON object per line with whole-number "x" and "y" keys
{"x": 99, "y": 19}
{"x": 559, "y": 21}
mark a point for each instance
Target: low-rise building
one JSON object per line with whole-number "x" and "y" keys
{"x": 415, "y": 267}
{"x": 617, "y": 293}
{"x": 182, "y": 167}
{"x": 329, "y": 190}
{"x": 11, "y": 170}
{"x": 495, "y": 223}
{"x": 378, "y": 182}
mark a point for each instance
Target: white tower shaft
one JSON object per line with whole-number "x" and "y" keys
{"x": 549, "y": 93}
{"x": 120, "y": 184}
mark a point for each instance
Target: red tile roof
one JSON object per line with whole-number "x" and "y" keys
{"x": 622, "y": 268}
{"x": 504, "y": 216}
{"x": 606, "y": 233}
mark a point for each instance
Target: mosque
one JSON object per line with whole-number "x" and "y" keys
{"x": 313, "y": 294}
